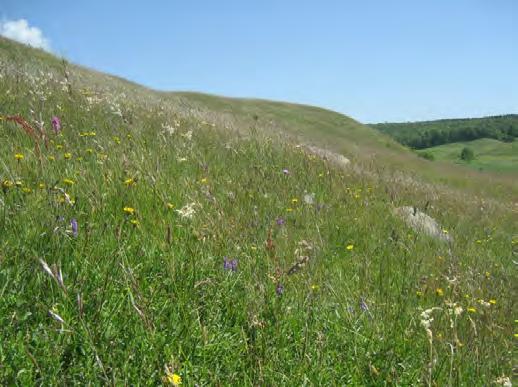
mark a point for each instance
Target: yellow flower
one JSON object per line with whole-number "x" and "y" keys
{"x": 172, "y": 378}
{"x": 52, "y": 158}
{"x": 444, "y": 231}
{"x": 69, "y": 181}
{"x": 67, "y": 156}
{"x": 350, "y": 247}
{"x": 19, "y": 156}
{"x": 89, "y": 150}
{"x": 129, "y": 210}
{"x": 418, "y": 293}
{"x": 315, "y": 287}
{"x": 117, "y": 140}
{"x": 26, "y": 190}
{"x": 516, "y": 335}
{"x": 204, "y": 180}
{"x": 492, "y": 302}
{"x": 134, "y": 222}
{"x": 41, "y": 186}
{"x": 7, "y": 184}
{"x": 129, "y": 181}
{"x": 294, "y": 201}
{"x": 59, "y": 146}
{"x": 170, "y": 205}
{"x": 18, "y": 183}
{"x": 472, "y": 310}
{"x": 289, "y": 209}
{"x": 439, "y": 292}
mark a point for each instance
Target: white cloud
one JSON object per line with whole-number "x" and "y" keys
{"x": 20, "y": 31}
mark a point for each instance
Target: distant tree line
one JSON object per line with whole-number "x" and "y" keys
{"x": 426, "y": 134}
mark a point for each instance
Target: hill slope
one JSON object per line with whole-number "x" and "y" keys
{"x": 156, "y": 236}
{"x": 490, "y": 155}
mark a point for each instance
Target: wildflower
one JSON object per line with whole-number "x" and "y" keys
{"x": 134, "y": 222}
{"x": 129, "y": 182}
{"x": 471, "y": 309}
{"x": 280, "y": 222}
{"x": 350, "y": 247}
{"x": 315, "y": 287}
{"x": 439, "y": 292}
{"x": 59, "y": 146}
{"x": 26, "y": 190}
{"x": 51, "y": 158}
{"x": 504, "y": 380}
{"x": 172, "y": 378}
{"x": 279, "y": 289}
{"x": 484, "y": 303}
{"x": 75, "y": 227}
{"x": 56, "y": 124}
{"x": 170, "y": 205}
{"x": 69, "y": 181}
{"x": 41, "y": 186}
{"x": 309, "y": 198}
{"x": 6, "y": 184}
{"x": 67, "y": 156}
{"x": 294, "y": 201}
{"x": 418, "y": 293}
{"x": 444, "y": 231}
{"x": 89, "y": 150}
{"x": 117, "y": 140}
{"x": 289, "y": 209}
{"x": 229, "y": 264}
{"x": 204, "y": 180}
{"x": 18, "y": 183}
{"x": 492, "y": 302}
{"x": 129, "y": 210}
{"x": 286, "y": 172}
{"x": 19, "y": 156}
{"x": 187, "y": 211}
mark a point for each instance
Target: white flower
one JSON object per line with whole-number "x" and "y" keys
{"x": 309, "y": 198}
{"x": 187, "y": 211}
{"x": 168, "y": 129}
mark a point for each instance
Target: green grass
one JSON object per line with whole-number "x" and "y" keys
{"x": 490, "y": 155}
{"x": 148, "y": 290}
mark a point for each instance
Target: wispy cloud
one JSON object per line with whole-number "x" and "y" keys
{"x": 21, "y": 31}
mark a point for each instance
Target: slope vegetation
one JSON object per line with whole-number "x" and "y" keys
{"x": 150, "y": 237}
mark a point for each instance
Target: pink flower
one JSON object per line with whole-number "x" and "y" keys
{"x": 56, "y": 124}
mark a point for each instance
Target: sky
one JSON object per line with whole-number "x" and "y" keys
{"x": 374, "y": 60}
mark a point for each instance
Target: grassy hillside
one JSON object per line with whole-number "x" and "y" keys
{"x": 426, "y": 134}
{"x": 490, "y": 155}
{"x": 159, "y": 236}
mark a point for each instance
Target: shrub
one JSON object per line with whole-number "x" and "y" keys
{"x": 467, "y": 154}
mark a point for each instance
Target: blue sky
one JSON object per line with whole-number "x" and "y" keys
{"x": 376, "y": 61}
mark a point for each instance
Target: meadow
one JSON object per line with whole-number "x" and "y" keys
{"x": 145, "y": 239}
{"x": 490, "y": 155}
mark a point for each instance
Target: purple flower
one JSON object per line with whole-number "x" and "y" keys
{"x": 229, "y": 264}
{"x": 279, "y": 289}
{"x": 285, "y": 171}
{"x": 280, "y": 221}
{"x": 75, "y": 227}
{"x": 56, "y": 124}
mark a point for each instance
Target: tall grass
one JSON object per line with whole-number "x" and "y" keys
{"x": 141, "y": 294}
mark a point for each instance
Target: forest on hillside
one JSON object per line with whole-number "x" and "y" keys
{"x": 426, "y": 134}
